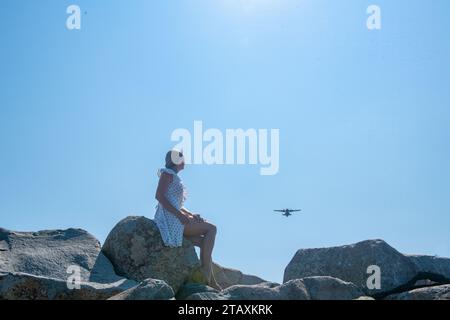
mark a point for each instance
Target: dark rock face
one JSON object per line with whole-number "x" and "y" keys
{"x": 431, "y": 267}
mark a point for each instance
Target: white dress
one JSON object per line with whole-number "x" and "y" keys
{"x": 169, "y": 225}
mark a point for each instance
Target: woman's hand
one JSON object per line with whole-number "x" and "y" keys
{"x": 193, "y": 217}
{"x": 183, "y": 218}
{"x": 198, "y": 218}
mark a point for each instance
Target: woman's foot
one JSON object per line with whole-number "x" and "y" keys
{"x": 210, "y": 279}
{"x": 215, "y": 285}
{"x": 214, "y": 282}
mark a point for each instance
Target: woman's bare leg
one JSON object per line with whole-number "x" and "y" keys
{"x": 196, "y": 240}
{"x": 209, "y": 232}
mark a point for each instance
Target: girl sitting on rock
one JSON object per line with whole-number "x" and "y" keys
{"x": 174, "y": 221}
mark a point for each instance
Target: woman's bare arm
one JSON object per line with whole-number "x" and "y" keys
{"x": 187, "y": 211}
{"x": 192, "y": 215}
{"x": 163, "y": 185}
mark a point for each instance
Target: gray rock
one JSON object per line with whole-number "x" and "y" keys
{"x": 328, "y": 288}
{"x": 318, "y": 288}
{"x": 208, "y": 296}
{"x": 425, "y": 283}
{"x": 50, "y": 253}
{"x": 228, "y": 277}
{"x": 294, "y": 290}
{"x": 432, "y": 267}
{"x": 315, "y": 288}
{"x": 269, "y": 284}
{"x": 429, "y": 293}
{"x": 189, "y": 289}
{"x": 252, "y": 292}
{"x": 22, "y": 286}
{"x": 149, "y": 289}
{"x": 34, "y": 265}
{"x": 364, "y": 298}
{"x": 136, "y": 250}
{"x": 350, "y": 263}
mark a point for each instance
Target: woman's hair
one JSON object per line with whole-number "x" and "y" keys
{"x": 173, "y": 158}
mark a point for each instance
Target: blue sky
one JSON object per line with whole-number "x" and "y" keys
{"x": 86, "y": 117}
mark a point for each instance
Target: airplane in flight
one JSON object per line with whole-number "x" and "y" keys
{"x": 287, "y": 212}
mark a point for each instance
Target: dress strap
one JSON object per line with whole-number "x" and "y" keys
{"x": 166, "y": 170}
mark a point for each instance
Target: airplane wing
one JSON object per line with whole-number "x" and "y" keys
{"x": 295, "y": 210}
{"x": 279, "y": 210}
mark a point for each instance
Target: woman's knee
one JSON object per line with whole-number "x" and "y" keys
{"x": 199, "y": 228}
{"x": 212, "y": 228}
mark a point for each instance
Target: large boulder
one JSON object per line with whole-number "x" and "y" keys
{"x": 37, "y": 265}
{"x": 228, "y": 277}
{"x": 150, "y": 289}
{"x": 350, "y": 263}
{"x": 51, "y": 253}
{"x": 428, "y": 293}
{"x": 328, "y": 288}
{"x": 293, "y": 290}
{"x": 313, "y": 288}
{"x": 22, "y": 286}
{"x": 189, "y": 289}
{"x": 262, "y": 291}
{"x": 431, "y": 267}
{"x": 136, "y": 250}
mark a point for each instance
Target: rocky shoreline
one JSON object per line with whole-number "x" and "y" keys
{"x": 133, "y": 264}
